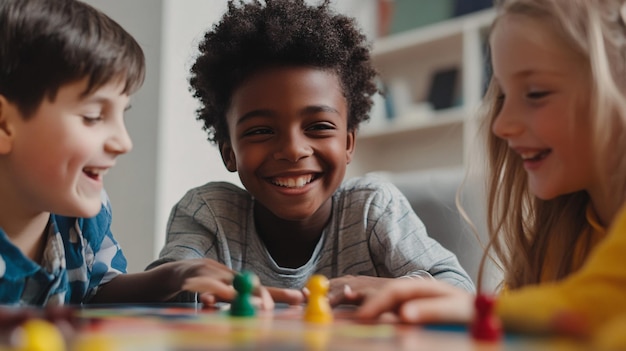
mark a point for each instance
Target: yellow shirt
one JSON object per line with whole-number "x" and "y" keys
{"x": 587, "y": 240}
{"x": 596, "y": 292}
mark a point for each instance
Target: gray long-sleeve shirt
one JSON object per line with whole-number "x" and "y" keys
{"x": 373, "y": 231}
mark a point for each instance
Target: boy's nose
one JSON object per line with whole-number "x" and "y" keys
{"x": 120, "y": 141}
{"x": 292, "y": 148}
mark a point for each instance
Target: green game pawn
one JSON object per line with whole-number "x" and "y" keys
{"x": 242, "y": 306}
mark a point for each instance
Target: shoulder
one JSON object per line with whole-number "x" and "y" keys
{"x": 370, "y": 186}
{"x": 216, "y": 191}
{"x": 215, "y": 197}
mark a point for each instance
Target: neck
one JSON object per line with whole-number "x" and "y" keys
{"x": 291, "y": 242}
{"x": 24, "y": 228}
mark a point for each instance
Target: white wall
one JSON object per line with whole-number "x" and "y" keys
{"x": 186, "y": 158}
{"x": 171, "y": 154}
{"x": 132, "y": 183}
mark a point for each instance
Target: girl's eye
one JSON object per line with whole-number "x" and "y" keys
{"x": 536, "y": 95}
{"x": 500, "y": 101}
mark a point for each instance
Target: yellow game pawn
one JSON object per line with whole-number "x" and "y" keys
{"x": 318, "y": 308}
{"x": 38, "y": 335}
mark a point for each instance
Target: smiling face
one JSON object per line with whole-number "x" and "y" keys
{"x": 55, "y": 160}
{"x": 545, "y": 105}
{"x": 289, "y": 140}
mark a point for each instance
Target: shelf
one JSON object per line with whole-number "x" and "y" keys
{"x": 438, "y": 33}
{"x": 419, "y": 138}
{"x": 452, "y": 117}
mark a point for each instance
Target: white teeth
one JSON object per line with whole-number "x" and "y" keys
{"x": 294, "y": 182}
{"x": 95, "y": 171}
{"x": 527, "y": 155}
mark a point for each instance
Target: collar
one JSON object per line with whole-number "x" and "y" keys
{"x": 594, "y": 221}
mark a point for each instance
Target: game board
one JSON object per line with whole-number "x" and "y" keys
{"x": 181, "y": 327}
{"x": 154, "y": 329}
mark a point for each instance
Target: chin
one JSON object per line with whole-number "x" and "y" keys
{"x": 542, "y": 190}
{"x": 545, "y": 194}
{"x": 83, "y": 210}
{"x": 294, "y": 216}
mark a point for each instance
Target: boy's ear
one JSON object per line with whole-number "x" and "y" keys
{"x": 228, "y": 156}
{"x": 350, "y": 145}
{"x": 6, "y": 130}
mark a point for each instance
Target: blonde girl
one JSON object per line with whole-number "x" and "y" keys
{"x": 556, "y": 115}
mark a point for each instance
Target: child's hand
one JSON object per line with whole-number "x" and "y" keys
{"x": 213, "y": 281}
{"x": 419, "y": 301}
{"x": 206, "y": 276}
{"x": 351, "y": 289}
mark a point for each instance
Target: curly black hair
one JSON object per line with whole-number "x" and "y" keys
{"x": 251, "y": 37}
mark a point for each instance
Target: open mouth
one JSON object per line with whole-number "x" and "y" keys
{"x": 94, "y": 173}
{"x": 294, "y": 182}
{"x": 535, "y": 156}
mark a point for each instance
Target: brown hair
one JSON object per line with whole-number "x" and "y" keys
{"x": 45, "y": 44}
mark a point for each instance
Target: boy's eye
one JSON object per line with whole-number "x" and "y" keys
{"x": 258, "y": 131}
{"x": 321, "y": 126}
{"x": 91, "y": 119}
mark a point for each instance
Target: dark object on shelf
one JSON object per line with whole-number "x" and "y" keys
{"x": 463, "y": 7}
{"x": 443, "y": 88}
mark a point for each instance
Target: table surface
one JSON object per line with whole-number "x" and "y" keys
{"x": 176, "y": 328}
{"x": 159, "y": 328}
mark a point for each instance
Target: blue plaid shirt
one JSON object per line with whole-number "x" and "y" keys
{"x": 80, "y": 255}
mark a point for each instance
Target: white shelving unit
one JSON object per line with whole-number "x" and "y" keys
{"x": 419, "y": 138}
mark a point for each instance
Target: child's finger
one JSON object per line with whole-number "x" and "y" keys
{"x": 266, "y": 303}
{"x": 436, "y": 310}
{"x": 210, "y": 285}
{"x": 207, "y": 299}
{"x": 289, "y": 296}
{"x": 396, "y": 293}
{"x": 352, "y": 296}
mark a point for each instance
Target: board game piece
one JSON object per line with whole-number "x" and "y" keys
{"x": 318, "y": 308}
{"x": 38, "y": 335}
{"x": 486, "y": 325}
{"x": 242, "y": 305}
{"x": 317, "y": 339}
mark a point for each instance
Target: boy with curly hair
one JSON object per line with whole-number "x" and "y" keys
{"x": 283, "y": 88}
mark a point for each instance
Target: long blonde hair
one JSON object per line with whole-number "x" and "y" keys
{"x": 524, "y": 231}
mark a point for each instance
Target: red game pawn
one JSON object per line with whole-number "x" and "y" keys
{"x": 486, "y": 325}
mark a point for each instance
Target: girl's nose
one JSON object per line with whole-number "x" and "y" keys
{"x": 508, "y": 122}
